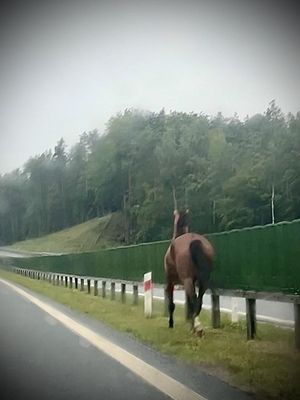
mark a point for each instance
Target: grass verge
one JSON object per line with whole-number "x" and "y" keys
{"x": 268, "y": 366}
{"x": 95, "y": 234}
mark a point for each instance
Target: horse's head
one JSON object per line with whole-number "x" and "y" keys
{"x": 180, "y": 223}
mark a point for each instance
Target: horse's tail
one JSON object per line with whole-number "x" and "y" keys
{"x": 201, "y": 262}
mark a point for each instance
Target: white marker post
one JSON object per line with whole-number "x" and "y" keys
{"x": 148, "y": 294}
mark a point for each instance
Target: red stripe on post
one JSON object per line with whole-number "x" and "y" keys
{"x": 147, "y": 285}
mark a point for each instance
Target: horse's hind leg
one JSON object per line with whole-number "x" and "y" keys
{"x": 171, "y": 305}
{"x": 199, "y": 301}
{"x": 189, "y": 308}
{"x": 197, "y": 324}
{"x": 191, "y": 300}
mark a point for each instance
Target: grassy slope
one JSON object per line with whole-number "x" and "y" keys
{"x": 267, "y": 366}
{"x": 91, "y": 235}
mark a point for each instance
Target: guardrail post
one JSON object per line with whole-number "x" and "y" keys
{"x": 81, "y": 284}
{"x": 135, "y": 294}
{"x": 123, "y": 292}
{"x": 113, "y": 290}
{"x": 61, "y": 280}
{"x": 251, "y": 318}
{"x": 76, "y": 282}
{"x": 215, "y": 311}
{"x": 95, "y": 287}
{"x": 66, "y": 281}
{"x": 57, "y": 280}
{"x": 103, "y": 289}
{"x": 297, "y": 325}
{"x": 89, "y": 286}
{"x": 70, "y": 282}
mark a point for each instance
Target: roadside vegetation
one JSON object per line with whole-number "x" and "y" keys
{"x": 231, "y": 173}
{"x": 268, "y": 366}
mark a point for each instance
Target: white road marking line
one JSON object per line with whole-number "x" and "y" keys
{"x": 152, "y": 375}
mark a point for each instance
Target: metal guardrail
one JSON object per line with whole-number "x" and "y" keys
{"x": 78, "y": 282}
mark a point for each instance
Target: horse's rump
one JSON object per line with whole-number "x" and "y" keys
{"x": 191, "y": 255}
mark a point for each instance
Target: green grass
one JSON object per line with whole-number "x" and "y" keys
{"x": 94, "y": 234}
{"x": 268, "y": 366}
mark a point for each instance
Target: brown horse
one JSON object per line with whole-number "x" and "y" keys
{"x": 188, "y": 261}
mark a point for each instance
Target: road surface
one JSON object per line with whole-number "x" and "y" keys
{"x": 50, "y": 352}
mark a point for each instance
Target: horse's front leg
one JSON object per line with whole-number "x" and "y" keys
{"x": 171, "y": 305}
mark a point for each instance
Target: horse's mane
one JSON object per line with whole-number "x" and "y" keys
{"x": 180, "y": 223}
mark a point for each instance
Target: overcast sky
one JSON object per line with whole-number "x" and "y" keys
{"x": 67, "y": 66}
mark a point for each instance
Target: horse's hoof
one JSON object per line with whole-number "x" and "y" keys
{"x": 198, "y": 327}
{"x": 171, "y": 325}
{"x": 199, "y": 332}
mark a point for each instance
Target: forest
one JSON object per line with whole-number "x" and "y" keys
{"x": 229, "y": 174}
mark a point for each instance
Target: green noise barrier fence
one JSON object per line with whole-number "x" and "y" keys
{"x": 265, "y": 258}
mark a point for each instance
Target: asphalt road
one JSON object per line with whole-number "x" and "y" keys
{"x": 41, "y": 358}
